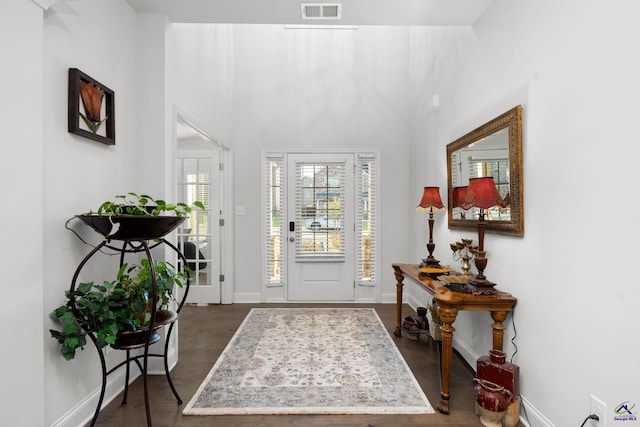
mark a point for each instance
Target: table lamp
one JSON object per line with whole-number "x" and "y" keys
{"x": 459, "y": 194}
{"x": 483, "y": 194}
{"x": 430, "y": 201}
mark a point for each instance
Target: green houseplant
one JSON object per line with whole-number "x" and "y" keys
{"x": 134, "y": 216}
{"x": 436, "y": 322}
{"x": 113, "y": 312}
{"x": 113, "y": 308}
{"x": 144, "y": 205}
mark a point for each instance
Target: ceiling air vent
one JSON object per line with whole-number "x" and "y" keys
{"x": 321, "y": 10}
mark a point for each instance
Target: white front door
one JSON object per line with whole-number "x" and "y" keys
{"x": 199, "y": 238}
{"x": 320, "y": 227}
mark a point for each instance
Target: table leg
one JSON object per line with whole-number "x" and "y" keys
{"x": 399, "y": 286}
{"x": 498, "y": 328}
{"x": 448, "y": 316}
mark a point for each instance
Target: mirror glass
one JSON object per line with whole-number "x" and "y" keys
{"x": 493, "y": 149}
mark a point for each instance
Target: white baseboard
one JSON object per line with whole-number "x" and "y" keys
{"x": 247, "y": 297}
{"x": 529, "y": 414}
{"x": 156, "y": 364}
{"x": 531, "y": 417}
{"x": 83, "y": 412}
{"x": 256, "y": 298}
{"x": 389, "y": 298}
{"x": 366, "y": 301}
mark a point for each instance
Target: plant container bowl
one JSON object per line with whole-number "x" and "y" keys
{"x": 132, "y": 227}
{"x": 138, "y": 338}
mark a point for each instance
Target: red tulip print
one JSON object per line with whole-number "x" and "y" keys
{"x": 91, "y": 96}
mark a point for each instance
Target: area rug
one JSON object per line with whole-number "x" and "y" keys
{"x": 310, "y": 361}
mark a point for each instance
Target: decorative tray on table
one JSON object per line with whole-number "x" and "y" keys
{"x": 434, "y": 271}
{"x": 456, "y": 282}
{"x": 454, "y": 278}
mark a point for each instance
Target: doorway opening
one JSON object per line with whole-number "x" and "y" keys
{"x": 204, "y": 238}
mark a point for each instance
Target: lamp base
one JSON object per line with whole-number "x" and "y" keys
{"x": 482, "y": 286}
{"x": 430, "y": 262}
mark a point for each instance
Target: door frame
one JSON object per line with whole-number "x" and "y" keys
{"x": 226, "y": 199}
{"x": 208, "y": 293}
{"x": 364, "y": 292}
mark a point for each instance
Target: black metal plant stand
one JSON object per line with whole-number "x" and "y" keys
{"x": 147, "y": 337}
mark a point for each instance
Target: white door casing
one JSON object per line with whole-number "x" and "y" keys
{"x": 199, "y": 238}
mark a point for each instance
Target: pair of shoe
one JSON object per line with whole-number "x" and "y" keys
{"x": 418, "y": 322}
{"x": 421, "y": 318}
{"x": 410, "y": 324}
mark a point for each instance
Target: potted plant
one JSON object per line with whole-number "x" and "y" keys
{"x": 118, "y": 312}
{"x": 436, "y": 322}
{"x": 135, "y": 216}
{"x": 143, "y": 205}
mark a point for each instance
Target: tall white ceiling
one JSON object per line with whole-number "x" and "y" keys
{"x": 354, "y": 12}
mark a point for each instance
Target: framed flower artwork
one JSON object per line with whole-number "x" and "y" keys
{"x": 91, "y": 108}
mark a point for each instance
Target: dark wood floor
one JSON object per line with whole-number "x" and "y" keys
{"x": 204, "y": 333}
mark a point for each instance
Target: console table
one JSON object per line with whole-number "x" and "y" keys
{"x": 450, "y": 303}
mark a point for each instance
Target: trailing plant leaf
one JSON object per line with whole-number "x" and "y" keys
{"x": 136, "y": 205}
{"x": 144, "y": 205}
{"x": 107, "y": 309}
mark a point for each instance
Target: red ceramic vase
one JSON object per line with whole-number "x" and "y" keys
{"x": 496, "y": 369}
{"x": 492, "y": 396}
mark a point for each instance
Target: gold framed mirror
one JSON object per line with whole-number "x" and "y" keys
{"x": 493, "y": 149}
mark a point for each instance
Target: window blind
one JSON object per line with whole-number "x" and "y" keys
{"x": 319, "y": 214}
{"x": 366, "y": 219}
{"x": 275, "y": 227}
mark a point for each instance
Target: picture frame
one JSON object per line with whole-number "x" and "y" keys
{"x": 91, "y": 109}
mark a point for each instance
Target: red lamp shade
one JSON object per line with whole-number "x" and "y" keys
{"x": 430, "y": 199}
{"x": 459, "y": 194}
{"x": 482, "y": 193}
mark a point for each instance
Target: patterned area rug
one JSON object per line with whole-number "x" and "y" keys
{"x": 310, "y": 361}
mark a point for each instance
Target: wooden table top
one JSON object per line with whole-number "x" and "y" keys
{"x": 463, "y": 301}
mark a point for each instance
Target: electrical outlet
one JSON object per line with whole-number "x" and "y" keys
{"x": 599, "y": 408}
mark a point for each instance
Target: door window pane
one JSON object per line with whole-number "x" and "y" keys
{"x": 319, "y": 214}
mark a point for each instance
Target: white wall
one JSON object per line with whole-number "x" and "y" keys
{"x": 199, "y": 71}
{"x": 108, "y": 41}
{"x": 21, "y": 157}
{"x": 576, "y": 79}
{"x": 319, "y": 90}
{"x": 572, "y": 69}
{"x": 200, "y": 61}
{"x": 134, "y": 55}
